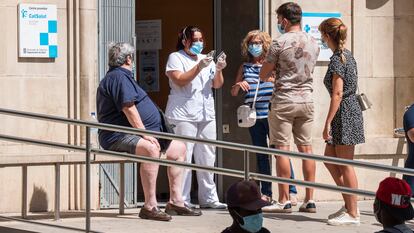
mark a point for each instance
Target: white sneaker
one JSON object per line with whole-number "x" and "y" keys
{"x": 293, "y": 199}
{"x": 277, "y": 207}
{"x": 308, "y": 207}
{"x": 341, "y": 211}
{"x": 214, "y": 205}
{"x": 344, "y": 220}
{"x": 337, "y": 213}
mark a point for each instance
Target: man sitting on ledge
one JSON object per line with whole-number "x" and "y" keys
{"x": 120, "y": 101}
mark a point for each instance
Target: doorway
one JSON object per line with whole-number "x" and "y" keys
{"x": 171, "y": 17}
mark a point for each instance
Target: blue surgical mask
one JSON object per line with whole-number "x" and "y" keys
{"x": 324, "y": 44}
{"x": 255, "y": 49}
{"x": 133, "y": 69}
{"x": 196, "y": 47}
{"x": 252, "y": 223}
{"x": 281, "y": 28}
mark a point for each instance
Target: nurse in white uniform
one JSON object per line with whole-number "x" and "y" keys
{"x": 190, "y": 107}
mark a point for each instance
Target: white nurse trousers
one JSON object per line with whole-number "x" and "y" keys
{"x": 203, "y": 155}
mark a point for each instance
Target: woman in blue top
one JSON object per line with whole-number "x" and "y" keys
{"x": 254, "y": 49}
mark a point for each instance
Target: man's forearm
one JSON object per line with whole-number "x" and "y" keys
{"x": 133, "y": 116}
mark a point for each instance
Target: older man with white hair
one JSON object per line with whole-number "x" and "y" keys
{"x": 120, "y": 101}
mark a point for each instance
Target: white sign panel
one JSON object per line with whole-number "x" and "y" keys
{"x": 310, "y": 24}
{"x": 38, "y": 30}
{"x": 148, "y": 70}
{"x": 148, "y": 34}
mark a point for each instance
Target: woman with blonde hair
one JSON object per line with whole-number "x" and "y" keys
{"x": 344, "y": 124}
{"x": 254, "y": 48}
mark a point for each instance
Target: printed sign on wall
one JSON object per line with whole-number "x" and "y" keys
{"x": 310, "y": 24}
{"x": 38, "y": 30}
{"x": 148, "y": 70}
{"x": 148, "y": 34}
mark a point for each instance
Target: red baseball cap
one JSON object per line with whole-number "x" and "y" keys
{"x": 394, "y": 192}
{"x": 246, "y": 195}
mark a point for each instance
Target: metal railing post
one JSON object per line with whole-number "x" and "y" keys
{"x": 57, "y": 191}
{"x": 24, "y": 191}
{"x": 122, "y": 189}
{"x": 246, "y": 165}
{"x": 88, "y": 180}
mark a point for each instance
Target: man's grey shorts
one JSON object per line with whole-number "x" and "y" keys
{"x": 128, "y": 143}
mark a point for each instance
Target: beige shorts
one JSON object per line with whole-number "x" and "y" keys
{"x": 291, "y": 118}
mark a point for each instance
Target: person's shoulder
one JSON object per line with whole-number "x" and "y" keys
{"x": 226, "y": 231}
{"x": 180, "y": 54}
{"x": 277, "y": 43}
{"x": 348, "y": 54}
{"x": 336, "y": 58}
{"x": 310, "y": 39}
{"x": 411, "y": 109}
{"x": 263, "y": 230}
{"x": 397, "y": 228}
{"x": 176, "y": 54}
{"x": 409, "y": 114}
{"x": 113, "y": 75}
{"x": 282, "y": 38}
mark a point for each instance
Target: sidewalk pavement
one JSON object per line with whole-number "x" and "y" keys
{"x": 211, "y": 221}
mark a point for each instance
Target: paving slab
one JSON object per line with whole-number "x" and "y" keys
{"x": 211, "y": 221}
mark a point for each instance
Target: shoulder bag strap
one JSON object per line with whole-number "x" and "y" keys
{"x": 255, "y": 94}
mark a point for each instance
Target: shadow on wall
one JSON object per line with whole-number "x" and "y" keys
{"x": 375, "y": 4}
{"x": 39, "y": 200}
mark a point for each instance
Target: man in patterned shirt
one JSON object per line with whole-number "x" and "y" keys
{"x": 293, "y": 55}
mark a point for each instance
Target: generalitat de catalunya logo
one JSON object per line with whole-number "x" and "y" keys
{"x": 24, "y": 13}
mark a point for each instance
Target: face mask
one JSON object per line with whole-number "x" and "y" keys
{"x": 196, "y": 47}
{"x": 133, "y": 69}
{"x": 281, "y": 28}
{"x": 324, "y": 44}
{"x": 255, "y": 50}
{"x": 252, "y": 223}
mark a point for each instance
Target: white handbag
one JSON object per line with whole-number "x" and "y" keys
{"x": 246, "y": 115}
{"x": 363, "y": 101}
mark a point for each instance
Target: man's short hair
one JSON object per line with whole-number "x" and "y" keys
{"x": 119, "y": 52}
{"x": 290, "y": 11}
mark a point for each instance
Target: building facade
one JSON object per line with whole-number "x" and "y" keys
{"x": 380, "y": 37}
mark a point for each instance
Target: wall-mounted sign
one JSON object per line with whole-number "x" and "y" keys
{"x": 310, "y": 24}
{"x": 38, "y": 30}
{"x": 148, "y": 34}
{"x": 148, "y": 70}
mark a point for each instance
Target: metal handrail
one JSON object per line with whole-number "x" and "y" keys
{"x": 222, "y": 144}
{"x": 217, "y": 143}
{"x": 217, "y": 170}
